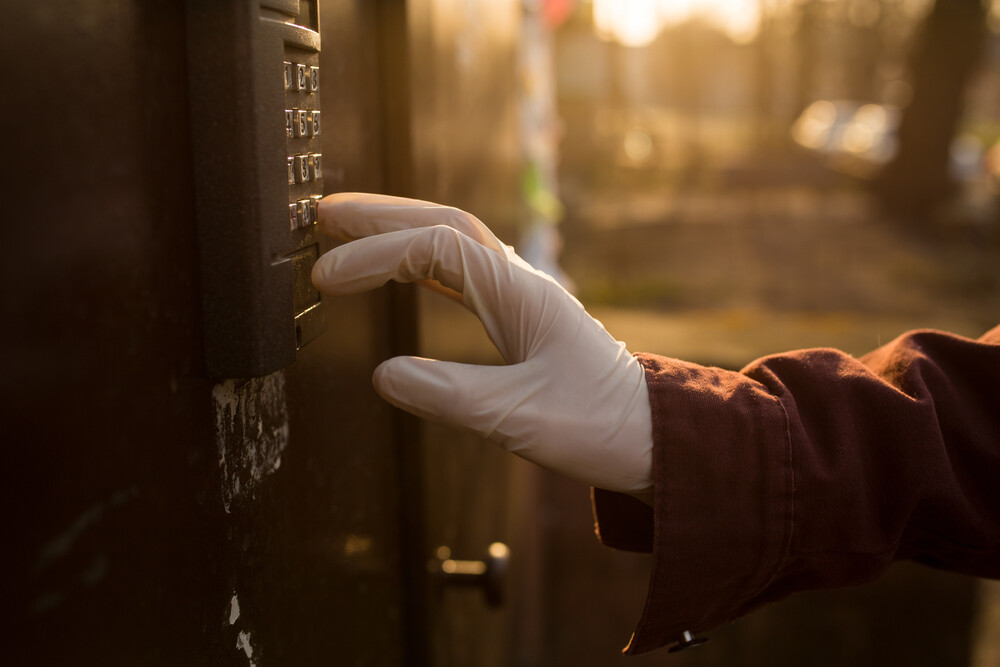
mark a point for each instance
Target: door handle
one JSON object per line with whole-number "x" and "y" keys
{"x": 490, "y": 575}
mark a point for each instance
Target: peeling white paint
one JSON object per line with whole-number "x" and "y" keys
{"x": 251, "y": 421}
{"x": 234, "y": 609}
{"x": 243, "y": 644}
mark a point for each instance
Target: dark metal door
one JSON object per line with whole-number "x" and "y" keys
{"x": 153, "y": 516}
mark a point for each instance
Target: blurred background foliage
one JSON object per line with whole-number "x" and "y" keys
{"x": 812, "y": 156}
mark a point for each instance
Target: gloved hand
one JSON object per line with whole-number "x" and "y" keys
{"x": 571, "y": 398}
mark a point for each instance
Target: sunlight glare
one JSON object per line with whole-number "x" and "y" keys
{"x": 631, "y": 22}
{"x": 673, "y": 12}
{"x": 739, "y": 19}
{"x": 638, "y": 22}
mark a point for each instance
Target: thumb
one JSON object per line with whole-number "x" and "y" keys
{"x": 475, "y": 397}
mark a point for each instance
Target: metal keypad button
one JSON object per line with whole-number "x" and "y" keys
{"x": 314, "y": 122}
{"x": 313, "y": 79}
{"x": 288, "y": 75}
{"x": 301, "y": 123}
{"x": 293, "y": 216}
{"x": 291, "y": 171}
{"x": 302, "y": 171}
{"x": 317, "y": 165}
{"x": 289, "y": 123}
{"x": 305, "y": 212}
{"x": 301, "y": 77}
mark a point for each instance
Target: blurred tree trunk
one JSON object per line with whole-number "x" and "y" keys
{"x": 807, "y": 52}
{"x": 944, "y": 57}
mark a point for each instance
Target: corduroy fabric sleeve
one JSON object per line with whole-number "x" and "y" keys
{"x": 812, "y": 469}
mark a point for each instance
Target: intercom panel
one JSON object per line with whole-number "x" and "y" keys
{"x": 256, "y": 125}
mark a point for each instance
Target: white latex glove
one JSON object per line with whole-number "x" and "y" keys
{"x": 571, "y": 398}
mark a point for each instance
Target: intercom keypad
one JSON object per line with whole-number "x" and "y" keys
{"x": 302, "y": 136}
{"x": 259, "y": 304}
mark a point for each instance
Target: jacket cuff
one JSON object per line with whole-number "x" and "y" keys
{"x": 721, "y": 523}
{"x": 621, "y": 521}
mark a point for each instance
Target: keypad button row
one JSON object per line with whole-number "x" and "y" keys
{"x": 305, "y": 168}
{"x": 303, "y": 213}
{"x": 302, "y": 123}
{"x": 301, "y": 78}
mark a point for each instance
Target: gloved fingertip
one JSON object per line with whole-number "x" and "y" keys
{"x": 334, "y": 210}
{"x": 325, "y": 212}
{"x": 321, "y": 273}
{"x": 380, "y": 377}
{"x": 424, "y": 387}
{"x": 389, "y": 380}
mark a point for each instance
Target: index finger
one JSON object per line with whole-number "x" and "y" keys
{"x": 355, "y": 215}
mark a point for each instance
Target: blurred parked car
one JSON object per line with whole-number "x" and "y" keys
{"x": 856, "y": 138}
{"x": 859, "y": 138}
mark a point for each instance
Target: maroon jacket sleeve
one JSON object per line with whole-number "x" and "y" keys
{"x": 812, "y": 469}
